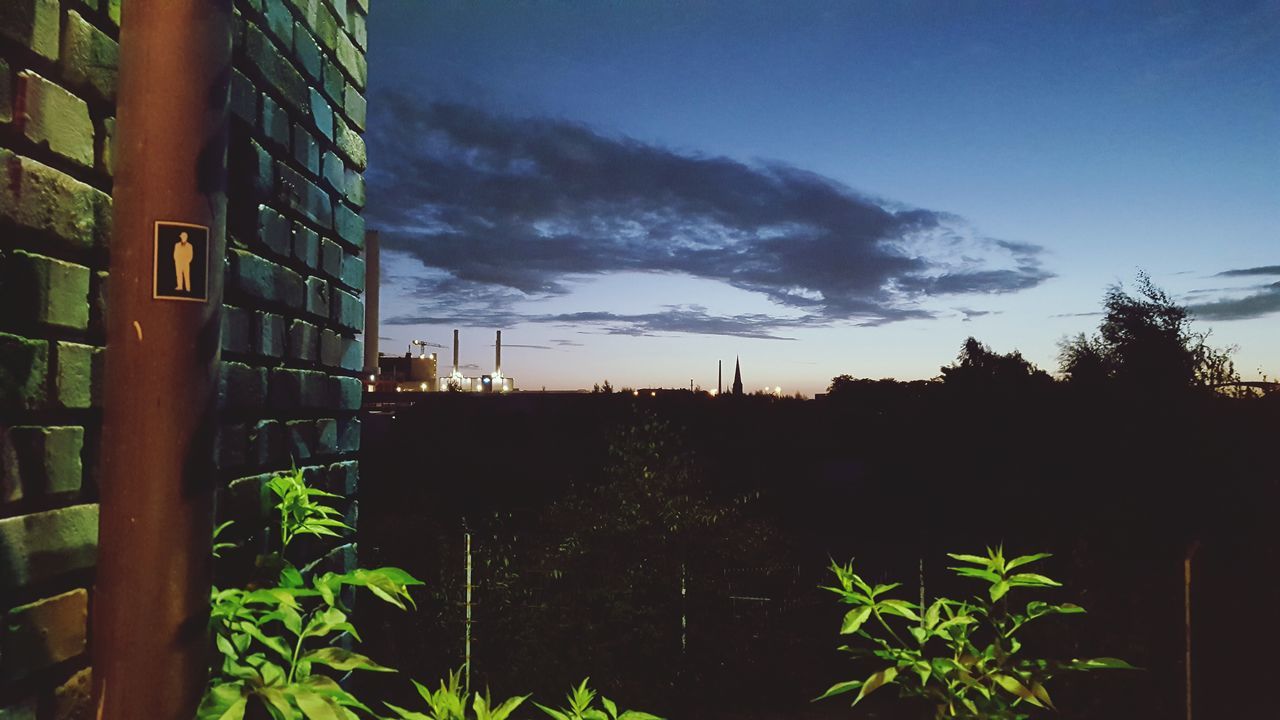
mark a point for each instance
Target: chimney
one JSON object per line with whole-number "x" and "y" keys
{"x": 372, "y": 279}
{"x": 455, "y": 352}
{"x": 497, "y": 360}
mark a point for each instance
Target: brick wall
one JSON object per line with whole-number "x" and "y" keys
{"x": 290, "y": 387}
{"x": 295, "y": 270}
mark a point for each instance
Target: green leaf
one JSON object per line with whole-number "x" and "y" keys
{"x": 901, "y": 608}
{"x": 407, "y": 714}
{"x": 315, "y": 706}
{"x": 854, "y": 619}
{"x": 553, "y": 713}
{"x": 1024, "y": 559}
{"x": 976, "y": 573}
{"x": 637, "y": 715}
{"x": 975, "y": 559}
{"x": 1042, "y": 694}
{"x": 223, "y": 702}
{"x": 1012, "y": 686}
{"x": 276, "y": 701}
{"x": 875, "y": 682}
{"x": 839, "y": 689}
{"x": 340, "y": 659}
{"x": 998, "y": 590}
{"x": 1102, "y": 663}
{"x": 1032, "y": 580}
{"x": 609, "y": 706}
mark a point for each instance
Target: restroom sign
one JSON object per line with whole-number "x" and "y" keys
{"x": 181, "y": 262}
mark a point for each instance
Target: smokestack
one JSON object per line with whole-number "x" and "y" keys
{"x": 497, "y": 360}
{"x": 455, "y": 352}
{"x": 719, "y": 377}
{"x": 372, "y": 279}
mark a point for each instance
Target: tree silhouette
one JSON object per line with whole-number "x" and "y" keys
{"x": 1145, "y": 342}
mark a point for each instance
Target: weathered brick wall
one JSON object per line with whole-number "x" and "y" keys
{"x": 290, "y": 386}
{"x": 295, "y": 273}
{"x": 57, "y": 95}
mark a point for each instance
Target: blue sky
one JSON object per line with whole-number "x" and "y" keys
{"x": 635, "y": 189}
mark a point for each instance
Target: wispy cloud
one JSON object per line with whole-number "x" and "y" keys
{"x": 1263, "y": 300}
{"x": 502, "y": 210}
{"x": 1251, "y": 272}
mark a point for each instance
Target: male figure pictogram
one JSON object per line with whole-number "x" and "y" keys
{"x": 182, "y": 252}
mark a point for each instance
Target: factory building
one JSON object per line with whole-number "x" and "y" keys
{"x": 420, "y": 373}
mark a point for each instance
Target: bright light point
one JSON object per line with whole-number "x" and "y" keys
{"x": 370, "y": 387}
{"x": 423, "y": 386}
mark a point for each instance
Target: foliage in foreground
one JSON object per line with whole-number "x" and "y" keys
{"x": 273, "y": 642}
{"x": 962, "y": 657}
{"x": 276, "y": 643}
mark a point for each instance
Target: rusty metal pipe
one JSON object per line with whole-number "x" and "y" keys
{"x": 151, "y": 594}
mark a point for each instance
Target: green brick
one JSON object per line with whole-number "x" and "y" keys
{"x": 263, "y": 280}
{"x": 306, "y": 245}
{"x": 244, "y": 98}
{"x": 270, "y": 335}
{"x": 113, "y": 11}
{"x": 317, "y": 297}
{"x": 107, "y": 161}
{"x": 334, "y": 81}
{"x": 275, "y": 123}
{"x": 241, "y": 387}
{"x": 300, "y": 439}
{"x": 304, "y": 196}
{"x": 349, "y": 224}
{"x": 347, "y": 392}
{"x": 347, "y": 311}
{"x": 326, "y": 436}
{"x": 331, "y": 258}
{"x": 353, "y": 272}
{"x": 32, "y": 24}
{"x": 24, "y": 372}
{"x": 266, "y": 443}
{"x": 355, "y": 190}
{"x": 307, "y": 52}
{"x": 37, "y": 197}
{"x": 276, "y": 70}
{"x": 78, "y": 380}
{"x": 54, "y": 117}
{"x": 350, "y": 144}
{"x": 279, "y": 21}
{"x": 72, "y": 700}
{"x": 90, "y": 58}
{"x": 340, "y": 352}
{"x": 363, "y": 5}
{"x": 46, "y": 291}
{"x": 237, "y": 329}
{"x": 321, "y": 114}
{"x": 355, "y": 106}
{"x": 326, "y": 27}
{"x": 231, "y": 446}
{"x": 334, "y": 172}
{"x": 44, "y": 633}
{"x": 45, "y": 460}
{"x": 304, "y": 341}
{"x": 6, "y": 96}
{"x": 42, "y": 546}
{"x": 274, "y": 231}
{"x": 306, "y": 151}
{"x": 352, "y": 60}
{"x": 359, "y": 29}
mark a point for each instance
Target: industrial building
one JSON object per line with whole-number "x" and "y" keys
{"x": 420, "y": 373}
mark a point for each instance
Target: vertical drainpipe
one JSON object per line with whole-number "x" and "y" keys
{"x": 151, "y": 592}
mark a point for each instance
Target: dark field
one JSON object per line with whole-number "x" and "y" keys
{"x": 579, "y": 558}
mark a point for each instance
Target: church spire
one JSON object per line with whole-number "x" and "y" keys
{"x": 737, "y": 377}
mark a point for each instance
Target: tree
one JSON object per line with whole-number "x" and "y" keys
{"x": 1145, "y": 341}
{"x": 980, "y": 366}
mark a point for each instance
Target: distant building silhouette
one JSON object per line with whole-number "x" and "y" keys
{"x": 737, "y": 377}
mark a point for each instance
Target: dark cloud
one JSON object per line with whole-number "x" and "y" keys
{"x": 502, "y": 210}
{"x": 1263, "y": 301}
{"x": 566, "y": 343}
{"x": 1250, "y": 272}
{"x": 1077, "y": 314}
{"x": 968, "y": 315}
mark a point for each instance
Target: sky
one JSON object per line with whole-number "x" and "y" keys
{"x": 634, "y": 190}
